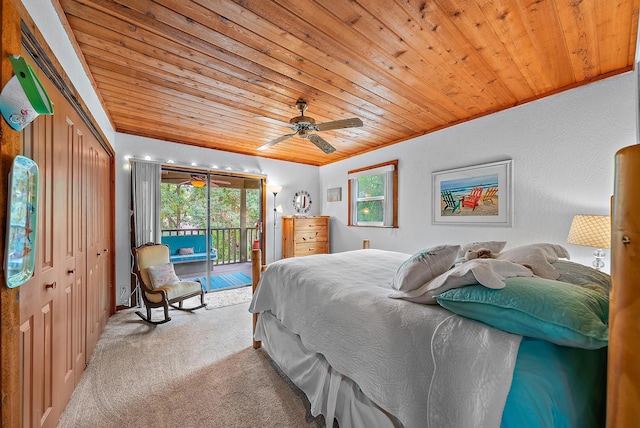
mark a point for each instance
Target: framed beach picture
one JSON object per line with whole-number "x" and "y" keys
{"x": 474, "y": 195}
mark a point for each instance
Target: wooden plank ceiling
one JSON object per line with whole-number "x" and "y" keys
{"x": 200, "y": 72}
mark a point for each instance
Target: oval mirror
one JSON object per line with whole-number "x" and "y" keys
{"x": 302, "y": 202}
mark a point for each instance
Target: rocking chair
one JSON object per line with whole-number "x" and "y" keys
{"x": 160, "y": 287}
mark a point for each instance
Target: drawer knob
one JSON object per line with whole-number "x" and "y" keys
{"x": 52, "y": 285}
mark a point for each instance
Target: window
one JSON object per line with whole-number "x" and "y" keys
{"x": 373, "y": 195}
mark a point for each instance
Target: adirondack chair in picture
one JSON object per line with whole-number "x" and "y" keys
{"x": 490, "y": 194}
{"x": 472, "y": 199}
{"x": 450, "y": 201}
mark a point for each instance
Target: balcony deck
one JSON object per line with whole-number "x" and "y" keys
{"x": 217, "y": 270}
{"x": 232, "y": 254}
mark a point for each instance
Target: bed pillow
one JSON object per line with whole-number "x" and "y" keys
{"x": 538, "y": 256}
{"x": 488, "y": 272}
{"x": 423, "y": 266}
{"x": 562, "y": 313}
{"x": 162, "y": 274}
{"x": 185, "y": 251}
{"x": 586, "y": 276}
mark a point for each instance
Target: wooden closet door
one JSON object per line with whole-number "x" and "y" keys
{"x": 98, "y": 254}
{"x": 51, "y": 307}
{"x": 53, "y": 302}
{"x": 38, "y": 297}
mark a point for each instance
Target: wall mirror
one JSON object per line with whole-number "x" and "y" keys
{"x": 301, "y": 202}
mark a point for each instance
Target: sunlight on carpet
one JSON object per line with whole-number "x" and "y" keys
{"x": 222, "y": 298}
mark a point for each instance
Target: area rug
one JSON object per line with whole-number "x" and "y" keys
{"x": 230, "y": 297}
{"x": 229, "y": 280}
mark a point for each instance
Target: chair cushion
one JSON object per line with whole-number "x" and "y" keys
{"x": 175, "y": 290}
{"x": 161, "y": 275}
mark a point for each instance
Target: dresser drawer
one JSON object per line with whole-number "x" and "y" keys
{"x": 307, "y": 249}
{"x": 310, "y": 223}
{"x": 302, "y": 236}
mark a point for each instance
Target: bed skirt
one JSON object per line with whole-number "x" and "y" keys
{"x": 329, "y": 392}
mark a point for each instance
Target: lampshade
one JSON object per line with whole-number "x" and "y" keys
{"x": 591, "y": 231}
{"x": 279, "y": 209}
{"x": 274, "y": 188}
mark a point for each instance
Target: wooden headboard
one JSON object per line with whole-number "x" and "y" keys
{"x": 623, "y": 387}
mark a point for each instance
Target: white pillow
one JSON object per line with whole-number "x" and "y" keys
{"x": 423, "y": 266}
{"x": 494, "y": 246}
{"x": 539, "y": 257}
{"x": 489, "y": 272}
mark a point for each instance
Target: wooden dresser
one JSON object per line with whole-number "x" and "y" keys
{"x": 304, "y": 235}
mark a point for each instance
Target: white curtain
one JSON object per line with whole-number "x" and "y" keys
{"x": 354, "y": 200}
{"x": 145, "y": 193}
{"x": 388, "y": 198}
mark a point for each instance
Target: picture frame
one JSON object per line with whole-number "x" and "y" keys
{"x": 334, "y": 195}
{"x": 479, "y": 195}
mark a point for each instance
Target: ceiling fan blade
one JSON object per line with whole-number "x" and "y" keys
{"x": 274, "y": 142}
{"x": 321, "y": 143}
{"x": 273, "y": 121}
{"x": 354, "y": 122}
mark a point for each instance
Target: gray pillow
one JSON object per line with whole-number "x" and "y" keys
{"x": 423, "y": 266}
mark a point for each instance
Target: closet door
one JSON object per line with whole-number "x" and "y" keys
{"x": 98, "y": 255}
{"x": 39, "y": 297}
{"x": 52, "y": 302}
{"x": 65, "y": 306}
{"x": 76, "y": 265}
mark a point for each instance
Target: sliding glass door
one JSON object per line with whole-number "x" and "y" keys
{"x": 210, "y": 222}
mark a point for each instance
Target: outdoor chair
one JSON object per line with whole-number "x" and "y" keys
{"x": 472, "y": 199}
{"x": 450, "y": 201}
{"x": 160, "y": 286}
{"x": 489, "y": 194}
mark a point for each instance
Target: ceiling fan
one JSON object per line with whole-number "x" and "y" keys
{"x": 201, "y": 181}
{"x": 302, "y": 126}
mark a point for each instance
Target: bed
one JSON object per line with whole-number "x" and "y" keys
{"x": 371, "y": 348}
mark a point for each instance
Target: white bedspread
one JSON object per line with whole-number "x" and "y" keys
{"x": 423, "y": 364}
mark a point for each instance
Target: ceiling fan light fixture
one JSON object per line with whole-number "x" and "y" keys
{"x": 303, "y": 126}
{"x": 197, "y": 182}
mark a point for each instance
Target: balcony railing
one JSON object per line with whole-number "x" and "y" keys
{"x": 233, "y": 243}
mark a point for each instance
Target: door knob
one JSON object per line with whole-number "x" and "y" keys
{"x": 52, "y": 285}
{"x": 71, "y": 271}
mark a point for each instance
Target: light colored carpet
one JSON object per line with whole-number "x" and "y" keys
{"x": 198, "y": 370}
{"x": 219, "y": 299}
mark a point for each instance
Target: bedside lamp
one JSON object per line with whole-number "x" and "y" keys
{"x": 592, "y": 231}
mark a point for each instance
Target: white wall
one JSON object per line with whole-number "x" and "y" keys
{"x": 563, "y": 151}
{"x": 291, "y": 176}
